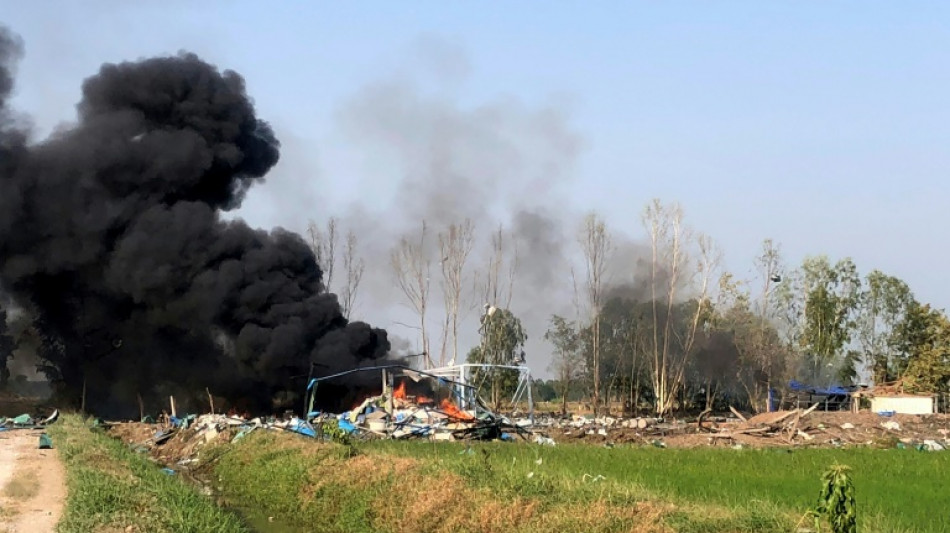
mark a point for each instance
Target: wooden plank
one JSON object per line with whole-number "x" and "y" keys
{"x": 810, "y": 409}
{"x": 738, "y": 414}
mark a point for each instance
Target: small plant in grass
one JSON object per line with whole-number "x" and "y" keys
{"x": 330, "y": 429}
{"x": 836, "y": 501}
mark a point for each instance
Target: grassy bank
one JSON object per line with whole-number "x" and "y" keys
{"x": 438, "y": 487}
{"x": 110, "y": 488}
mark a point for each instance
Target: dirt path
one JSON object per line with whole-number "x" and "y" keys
{"x": 32, "y": 484}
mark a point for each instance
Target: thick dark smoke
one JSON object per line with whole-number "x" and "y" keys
{"x": 111, "y": 235}
{"x": 6, "y": 348}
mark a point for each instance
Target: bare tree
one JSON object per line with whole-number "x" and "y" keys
{"x": 323, "y": 242}
{"x": 596, "y": 245}
{"x": 709, "y": 259}
{"x": 669, "y": 240}
{"x": 353, "y": 266}
{"x": 411, "y": 265}
{"x": 770, "y": 267}
{"x": 455, "y": 245}
{"x": 502, "y": 264}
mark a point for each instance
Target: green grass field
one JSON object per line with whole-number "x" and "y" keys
{"x": 290, "y": 484}
{"x": 557, "y": 488}
{"x": 897, "y": 490}
{"x": 111, "y": 488}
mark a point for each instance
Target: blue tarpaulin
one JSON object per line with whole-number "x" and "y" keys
{"x": 830, "y": 391}
{"x": 301, "y": 427}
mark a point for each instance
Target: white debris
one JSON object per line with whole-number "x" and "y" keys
{"x": 891, "y": 425}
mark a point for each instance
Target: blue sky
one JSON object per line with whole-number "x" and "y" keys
{"x": 823, "y": 125}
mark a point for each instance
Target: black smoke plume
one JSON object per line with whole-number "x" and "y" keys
{"x": 111, "y": 236}
{"x": 7, "y": 346}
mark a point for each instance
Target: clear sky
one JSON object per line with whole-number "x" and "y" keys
{"x": 823, "y": 125}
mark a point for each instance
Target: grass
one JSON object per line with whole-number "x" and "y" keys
{"x": 424, "y": 487}
{"x": 111, "y": 488}
{"x": 897, "y": 490}
{"x": 398, "y": 486}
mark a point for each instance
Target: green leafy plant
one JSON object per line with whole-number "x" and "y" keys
{"x": 836, "y": 501}
{"x": 331, "y": 431}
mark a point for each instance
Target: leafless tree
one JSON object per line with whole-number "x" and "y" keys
{"x": 770, "y": 269}
{"x": 455, "y": 245}
{"x": 710, "y": 256}
{"x": 498, "y": 287}
{"x": 411, "y": 266}
{"x": 354, "y": 266}
{"x": 596, "y": 244}
{"x": 323, "y": 242}
{"x": 669, "y": 241}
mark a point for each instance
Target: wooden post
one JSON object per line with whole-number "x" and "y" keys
{"x": 171, "y": 400}
{"x": 141, "y": 408}
{"x": 390, "y": 390}
{"x": 210, "y": 399}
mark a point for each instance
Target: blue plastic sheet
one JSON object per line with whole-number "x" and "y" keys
{"x": 831, "y": 391}
{"x": 303, "y": 428}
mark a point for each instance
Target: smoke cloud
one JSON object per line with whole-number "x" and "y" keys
{"x": 498, "y": 162}
{"x": 111, "y": 236}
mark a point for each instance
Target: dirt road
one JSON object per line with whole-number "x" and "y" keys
{"x": 32, "y": 484}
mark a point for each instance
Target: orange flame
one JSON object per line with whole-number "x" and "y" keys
{"x": 453, "y": 411}
{"x": 399, "y": 393}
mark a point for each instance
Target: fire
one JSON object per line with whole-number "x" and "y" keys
{"x": 453, "y": 411}
{"x": 400, "y": 392}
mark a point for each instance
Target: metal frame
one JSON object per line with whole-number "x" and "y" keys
{"x": 464, "y": 392}
{"x": 459, "y": 376}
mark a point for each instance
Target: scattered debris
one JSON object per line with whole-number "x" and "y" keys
{"x": 26, "y": 421}
{"x": 809, "y": 427}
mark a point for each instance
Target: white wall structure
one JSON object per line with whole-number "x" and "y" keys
{"x": 909, "y": 405}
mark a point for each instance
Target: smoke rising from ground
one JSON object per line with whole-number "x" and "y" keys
{"x": 499, "y": 162}
{"x": 111, "y": 236}
{"x": 495, "y": 162}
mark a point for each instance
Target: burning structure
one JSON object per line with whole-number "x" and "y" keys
{"x": 415, "y": 403}
{"x": 112, "y": 240}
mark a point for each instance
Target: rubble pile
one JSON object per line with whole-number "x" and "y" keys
{"x": 395, "y": 414}
{"x": 401, "y": 415}
{"x": 789, "y": 428}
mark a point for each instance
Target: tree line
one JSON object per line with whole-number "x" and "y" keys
{"x": 676, "y": 331}
{"x": 671, "y": 330}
